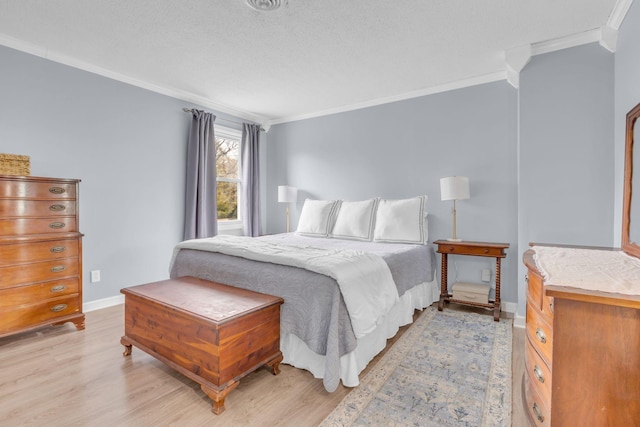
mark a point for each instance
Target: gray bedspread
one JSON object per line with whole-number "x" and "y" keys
{"x": 313, "y": 308}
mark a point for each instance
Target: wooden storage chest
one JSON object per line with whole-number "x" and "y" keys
{"x": 212, "y": 333}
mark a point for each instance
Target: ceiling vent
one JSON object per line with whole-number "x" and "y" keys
{"x": 264, "y": 5}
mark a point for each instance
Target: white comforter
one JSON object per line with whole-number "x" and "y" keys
{"x": 364, "y": 279}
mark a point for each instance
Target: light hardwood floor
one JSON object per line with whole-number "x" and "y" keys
{"x": 60, "y": 377}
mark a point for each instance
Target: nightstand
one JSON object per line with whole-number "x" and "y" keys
{"x": 484, "y": 249}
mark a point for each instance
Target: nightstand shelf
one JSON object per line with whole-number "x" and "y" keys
{"x": 483, "y": 249}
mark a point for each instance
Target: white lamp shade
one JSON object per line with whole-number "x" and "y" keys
{"x": 454, "y": 188}
{"x": 287, "y": 194}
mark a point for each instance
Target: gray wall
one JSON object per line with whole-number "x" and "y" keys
{"x": 627, "y": 96}
{"x": 554, "y": 136}
{"x": 540, "y": 160}
{"x": 566, "y": 169}
{"x": 402, "y": 149}
{"x": 126, "y": 144}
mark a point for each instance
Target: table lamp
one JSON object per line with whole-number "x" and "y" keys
{"x": 287, "y": 194}
{"x": 454, "y": 188}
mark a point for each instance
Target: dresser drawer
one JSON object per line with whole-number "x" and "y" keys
{"x": 24, "y": 207}
{"x": 40, "y": 312}
{"x": 537, "y": 408}
{"x": 17, "y": 253}
{"x": 539, "y": 333}
{"x": 547, "y": 308}
{"x": 20, "y": 226}
{"x": 29, "y": 294}
{"x": 534, "y": 289}
{"x": 38, "y": 272}
{"x": 30, "y": 189}
{"x": 471, "y": 250}
{"x": 538, "y": 372}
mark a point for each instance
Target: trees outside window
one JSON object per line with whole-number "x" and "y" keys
{"x": 228, "y": 175}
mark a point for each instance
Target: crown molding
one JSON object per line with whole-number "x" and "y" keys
{"x": 609, "y": 31}
{"x": 590, "y": 36}
{"x": 618, "y": 13}
{"x": 473, "y": 81}
{"x": 515, "y": 60}
{"x": 163, "y": 90}
{"x": 608, "y": 38}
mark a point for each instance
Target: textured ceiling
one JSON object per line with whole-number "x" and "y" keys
{"x": 307, "y": 58}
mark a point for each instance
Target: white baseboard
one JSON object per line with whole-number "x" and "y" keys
{"x": 508, "y": 307}
{"x": 519, "y": 322}
{"x": 511, "y": 308}
{"x": 102, "y": 303}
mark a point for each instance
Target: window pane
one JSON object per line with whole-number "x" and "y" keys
{"x": 227, "y": 154}
{"x": 227, "y": 193}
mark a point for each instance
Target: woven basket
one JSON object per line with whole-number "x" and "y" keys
{"x": 15, "y": 164}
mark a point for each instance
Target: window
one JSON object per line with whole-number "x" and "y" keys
{"x": 228, "y": 179}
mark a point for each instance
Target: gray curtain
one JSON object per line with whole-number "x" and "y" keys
{"x": 200, "y": 203}
{"x": 250, "y": 147}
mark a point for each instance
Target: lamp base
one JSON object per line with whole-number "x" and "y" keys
{"x": 454, "y": 240}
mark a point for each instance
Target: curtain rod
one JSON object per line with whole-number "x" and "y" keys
{"x": 188, "y": 110}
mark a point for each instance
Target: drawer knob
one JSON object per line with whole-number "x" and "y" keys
{"x": 57, "y": 268}
{"x": 57, "y": 249}
{"x": 538, "y": 373}
{"x": 538, "y": 413}
{"x": 57, "y": 208}
{"x": 58, "y": 288}
{"x": 526, "y": 279}
{"x": 542, "y": 337}
{"x": 486, "y": 251}
{"x": 56, "y": 190}
{"x": 58, "y": 307}
{"x": 56, "y": 225}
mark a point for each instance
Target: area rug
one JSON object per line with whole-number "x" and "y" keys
{"x": 450, "y": 368}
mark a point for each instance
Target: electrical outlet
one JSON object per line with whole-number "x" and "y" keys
{"x": 95, "y": 276}
{"x": 486, "y": 275}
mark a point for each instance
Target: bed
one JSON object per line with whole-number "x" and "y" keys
{"x": 318, "y": 331}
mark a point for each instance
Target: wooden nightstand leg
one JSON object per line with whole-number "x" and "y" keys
{"x": 444, "y": 291}
{"x": 496, "y": 308}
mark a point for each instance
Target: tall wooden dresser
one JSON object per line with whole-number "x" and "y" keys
{"x": 40, "y": 253}
{"x": 582, "y": 354}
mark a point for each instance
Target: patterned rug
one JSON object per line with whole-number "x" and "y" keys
{"x": 450, "y": 368}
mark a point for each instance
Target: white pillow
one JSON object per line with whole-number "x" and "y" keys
{"x": 317, "y": 217}
{"x": 401, "y": 221}
{"x": 355, "y": 220}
